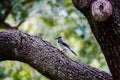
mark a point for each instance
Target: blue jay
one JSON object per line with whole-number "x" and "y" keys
{"x": 64, "y": 45}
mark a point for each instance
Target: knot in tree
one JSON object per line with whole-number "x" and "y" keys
{"x": 101, "y": 10}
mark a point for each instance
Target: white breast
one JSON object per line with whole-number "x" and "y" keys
{"x": 63, "y": 47}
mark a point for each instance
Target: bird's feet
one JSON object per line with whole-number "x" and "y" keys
{"x": 64, "y": 50}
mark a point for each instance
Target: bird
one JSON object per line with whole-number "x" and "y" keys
{"x": 64, "y": 45}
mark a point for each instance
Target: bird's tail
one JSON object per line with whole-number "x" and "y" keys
{"x": 73, "y": 52}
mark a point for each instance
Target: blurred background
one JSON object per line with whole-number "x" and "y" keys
{"x": 49, "y": 19}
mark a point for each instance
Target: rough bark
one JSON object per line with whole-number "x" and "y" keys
{"x": 46, "y": 59}
{"x": 106, "y": 31}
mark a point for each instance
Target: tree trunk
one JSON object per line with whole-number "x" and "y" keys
{"x": 46, "y": 59}
{"x": 104, "y": 19}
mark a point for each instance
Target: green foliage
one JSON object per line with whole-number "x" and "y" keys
{"x": 19, "y": 11}
{"x": 50, "y": 19}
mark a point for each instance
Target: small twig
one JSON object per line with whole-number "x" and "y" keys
{"x": 20, "y": 23}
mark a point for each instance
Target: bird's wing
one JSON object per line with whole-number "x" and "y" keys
{"x": 66, "y": 45}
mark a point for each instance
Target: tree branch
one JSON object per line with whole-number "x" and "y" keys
{"x": 5, "y": 25}
{"x": 46, "y": 59}
{"x": 7, "y": 12}
{"x": 6, "y": 8}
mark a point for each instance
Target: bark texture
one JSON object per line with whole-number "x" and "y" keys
{"x": 107, "y": 31}
{"x": 46, "y": 59}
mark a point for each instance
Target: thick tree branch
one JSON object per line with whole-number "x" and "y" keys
{"x": 46, "y": 59}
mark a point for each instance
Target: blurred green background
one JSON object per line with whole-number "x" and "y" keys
{"x": 49, "y": 19}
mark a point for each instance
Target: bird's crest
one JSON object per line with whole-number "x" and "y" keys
{"x": 59, "y": 37}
